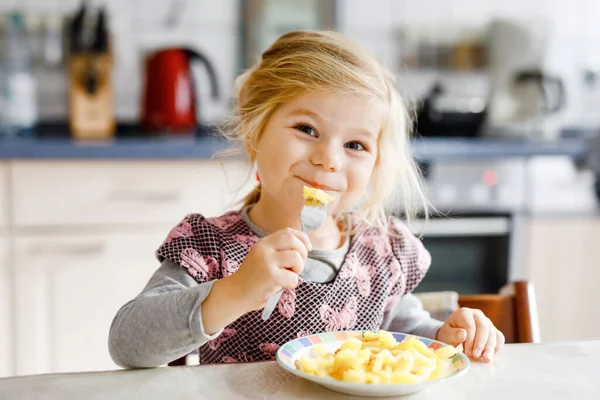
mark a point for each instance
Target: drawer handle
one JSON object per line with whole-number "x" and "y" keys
{"x": 69, "y": 249}
{"x": 144, "y": 196}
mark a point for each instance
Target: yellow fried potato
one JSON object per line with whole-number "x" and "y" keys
{"x": 347, "y": 359}
{"x": 405, "y": 378}
{"x": 377, "y": 358}
{"x": 384, "y": 376}
{"x": 387, "y": 340}
{"x": 310, "y": 194}
{"x": 423, "y": 370}
{"x": 407, "y": 343}
{"x": 383, "y": 358}
{"x": 444, "y": 368}
{"x": 307, "y": 364}
{"x": 445, "y": 352}
{"x": 423, "y": 349}
{"x": 421, "y": 360}
{"x": 404, "y": 362}
{"x": 364, "y": 355}
{"x": 352, "y": 344}
{"x": 319, "y": 350}
{"x": 370, "y": 337}
{"x": 372, "y": 378}
{"x": 355, "y": 376}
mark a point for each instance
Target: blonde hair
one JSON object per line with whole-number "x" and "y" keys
{"x": 301, "y": 62}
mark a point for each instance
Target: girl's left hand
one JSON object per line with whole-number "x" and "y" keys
{"x": 480, "y": 338}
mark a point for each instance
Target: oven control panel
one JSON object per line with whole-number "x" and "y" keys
{"x": 535, "y": 185}
{"x": 477, "y": 185}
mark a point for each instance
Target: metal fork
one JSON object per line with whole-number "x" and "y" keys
{"x": 311, "y": 218}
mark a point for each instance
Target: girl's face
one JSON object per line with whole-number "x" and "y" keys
{"x": 322, "y": 140}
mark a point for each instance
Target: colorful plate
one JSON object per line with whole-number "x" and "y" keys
{"x": 292, "y": 350}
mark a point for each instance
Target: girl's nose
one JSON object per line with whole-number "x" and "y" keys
{"x": 327, "y": 155}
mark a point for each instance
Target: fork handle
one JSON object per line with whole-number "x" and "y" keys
{"x": 271, "y": 304}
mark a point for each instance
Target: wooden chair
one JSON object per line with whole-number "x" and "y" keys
{"x": 513, "y": 311}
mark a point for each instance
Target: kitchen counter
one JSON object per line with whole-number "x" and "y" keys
{"x": 206, "y": 144}
{"x": 461, "y": 148}
{"x": 122, "y": 148}
{"x": 567, "y": 370}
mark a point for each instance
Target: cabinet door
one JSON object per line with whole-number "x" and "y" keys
{"x": 67, "y": 291}
{"x": 3, "y": 196}
{"x": 564, "y": 264}
{"x": 6, "y": 345}
{"x": 123, "y": 192}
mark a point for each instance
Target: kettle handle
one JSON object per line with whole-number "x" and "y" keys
{"x": 560, "y": 90}
{"x": 544, "y": 81}
{"x": 214, "y": 84}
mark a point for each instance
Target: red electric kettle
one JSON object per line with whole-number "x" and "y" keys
{"x": 169, "y": 96}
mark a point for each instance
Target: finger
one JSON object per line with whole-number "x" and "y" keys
{"x": 467, "y": 322}
{"x": 490, "y": 346}
{"x": 458, "y": 335}
{"x": 287, "y": 279}
{"x": 482, "y": 333}
{"x": 291, "y": 239}
{"x": 289, "y": 260}
{"x": 451, "y": 335}
{"x": 500, "y": 339}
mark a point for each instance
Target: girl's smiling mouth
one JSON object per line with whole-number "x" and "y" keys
{"x": 317, "y": 185}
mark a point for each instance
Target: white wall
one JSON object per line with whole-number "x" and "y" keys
{"x": 212, "y": 27}
{"x": 375, "y": 21}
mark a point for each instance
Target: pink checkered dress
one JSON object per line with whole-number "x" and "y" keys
{"x": 377, "y": 271}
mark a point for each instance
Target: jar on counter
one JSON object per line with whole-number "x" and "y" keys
{"x": 18, "y": 87}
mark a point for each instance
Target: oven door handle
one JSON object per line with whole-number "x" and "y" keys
{"x": 467, "y": 226}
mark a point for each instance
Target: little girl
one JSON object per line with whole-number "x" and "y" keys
{"x": 320, "y": 111}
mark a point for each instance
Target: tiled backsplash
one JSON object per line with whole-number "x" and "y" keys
{"x": 212, "y": 27}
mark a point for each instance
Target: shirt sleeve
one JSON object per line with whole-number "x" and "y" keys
{"x": 162, "y": 323}
{"x": 409, "y": 316}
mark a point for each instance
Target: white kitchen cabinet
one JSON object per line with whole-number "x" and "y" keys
{"x": 6, "y": 332}
{"x": 83, "y": 239}
{"x": 3, "y": 196}
{"x": 563, "y": 262}
{"x": 67, "y": 290}
{"x": 123, "y": 192}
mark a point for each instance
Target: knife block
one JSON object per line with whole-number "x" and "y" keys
{"x": 91, "y": 114}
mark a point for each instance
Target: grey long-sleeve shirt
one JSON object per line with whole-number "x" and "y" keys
{"x": 164, "y": 322}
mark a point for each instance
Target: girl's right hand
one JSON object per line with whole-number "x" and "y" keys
{"x": 273, "y": 263}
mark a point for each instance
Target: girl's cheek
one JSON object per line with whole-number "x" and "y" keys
{"x": 346, "y": 202}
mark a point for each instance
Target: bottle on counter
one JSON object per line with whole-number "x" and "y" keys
{"x": 18, "y": 87}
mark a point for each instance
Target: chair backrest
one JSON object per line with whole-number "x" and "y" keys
{"x": 513, "y": 311}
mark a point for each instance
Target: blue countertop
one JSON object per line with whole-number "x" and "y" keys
{"x": 461, "y": 148}
{"x": 129, "y": 148}
{"x": 204, "y": 147}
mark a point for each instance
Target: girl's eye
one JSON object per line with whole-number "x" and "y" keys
{"x": 306, "y": 129}
{"x": 355, "y": 146}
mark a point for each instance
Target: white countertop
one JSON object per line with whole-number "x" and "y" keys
{"x": 548, "y": 371}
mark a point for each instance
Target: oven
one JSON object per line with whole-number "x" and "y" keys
{"x": 470, "y": 253}
{"x": 476, "y": 238}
